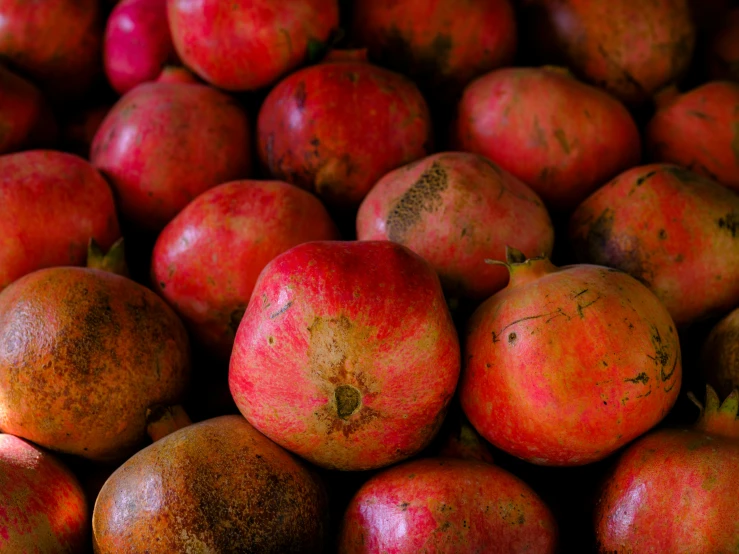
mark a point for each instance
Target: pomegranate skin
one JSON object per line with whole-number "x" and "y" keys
{"x": 455, "y": 210}
{"x": 137, "y": 43}
{"x": 674, "y": 230}
{"x": 723, "y": 53}
{"x": 699, "y": 130}
{"x": 630, "y": 48}
{"x": 447, "y": 506}
{"x": 687, "y": 472}
{"x": 56, "y": 43}
{"x": 347, "y": 354}
{"x": 566, "y": 365}
{"x": 42, "y": 505}
{"x": 83, "y": 354}
{"x": 558, "y": 135}
{"x": 51, "y": 204}
{"x": 310, "y": 124}
{"x": 201, "y": 138}
{"x": 248, "y": 44}
{"x": 719, "y": 359}
{"x": 232, "y": 231}
{"x": 215, "y": 486}
{"x": 441, "y": 44}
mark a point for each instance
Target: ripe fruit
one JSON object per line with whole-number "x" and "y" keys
{"x": 672, "y": 491}
{"x": 232, "y": 231}
{"x": 215, "y": 486}
{"x": 674, "y": 230}
{"x": 720, "y": 354}
{"x": 566, "y": 365}
{"x": 347, "y": 354}
{"x": 631, "y": 48}
{"x": 42, "y": 505}
{"x": 137, "y": 43}
{"x": 249, "y": 45}
{"x": 456, "y": 209}
{"x": 164, "y": 143}
{"x": 313, "y": 132}
{"x": 442, "y": 44}
{"x": 561, "y": 137}
{"x": 699, "y": 130}
{"x": 83, "y": 354}
{"x": 51, "y": 204}
{"x": 447, "y": 505}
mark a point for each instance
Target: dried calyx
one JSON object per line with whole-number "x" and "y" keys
{"x": 718, "y": 418}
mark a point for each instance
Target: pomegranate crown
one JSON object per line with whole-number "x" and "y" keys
{"x": 522, "y": 269}
{"x": 718, "y": 418}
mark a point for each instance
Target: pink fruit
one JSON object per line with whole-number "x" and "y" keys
{"x": 566, "y": 365}
{"x": 232, "y": 231}
{"x": 455, "y": 210}
{"x": 347, "y": 354}
{"x": 313, "y": 132}
{"x": 246, "y": 45}
{"x": 558, "y": 135}
{"x": 137, "y": 43}
{"x": 673, "y": 490}
{"x": 51, "y": 205}
{"x": 42, "y": 505}
{"x": 447, "y": 506}
{"x": 164, "y": 143}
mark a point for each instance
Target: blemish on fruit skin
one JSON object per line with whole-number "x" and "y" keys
{"x": 300, "y": 95}
{"x": 730, "y": 223}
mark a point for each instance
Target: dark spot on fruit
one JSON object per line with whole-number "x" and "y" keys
{"x": 729, "y": 223}
{"x": 423, "y": 196}
{"x": 640, "y": 181}
{"x": 403, "y": 506}
{"x": 282, "y": 310}
{"x": 235, "y": 318}
{"x": 512, "y": 337}
{"x": 642, "y": 378}
{"x": 271, "y": 340}
{"x": 300, "y": 95}
{"x": 662, "y": 234}
{"x": 348, "y": 400}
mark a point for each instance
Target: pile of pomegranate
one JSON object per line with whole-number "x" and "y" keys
{"x": 369, "y": 276}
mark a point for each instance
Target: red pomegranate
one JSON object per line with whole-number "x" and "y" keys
{"x": 720, "y": 354}
{"x": 674, "y": 230}
{"x": 447, "y": 506}
{"x": 137, "y": 43}
{"x": 455, "y": 210}
{"x": 232, "y": 231}
{"x": 673, "y": 490}
{"x": 347, "y": 354}
{"x": 42, "y": 505}
{"x": 215, "y": 486}
{"x": 51, "y": 205}
{"x": 311, "y": 123}
{"x": 631, "y": 48}
{"x": 246, "y": 45}
{"x": 723, "y": 52}
{"x": 25, "y": 117}
{"x": 566, "y": 365}
{"x": 56, "y": 43}
{"x": 164, "y": 143}
{"x": 441, "y": 44}
{"x": 698, "y": 130}
{"x": 558, "y": 135}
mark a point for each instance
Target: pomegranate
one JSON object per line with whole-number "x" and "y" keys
{"x": 566, "y": 365}
{"x": 723, "y": 52}
{"x": 699, "y": 130}
{"x": 558, "y": 135}
{"x": 56, "y": 43}
{"x": 83, "y": 354}
{"x": 447, "y": 506}
{"x": 631, "y": 48}
{"x": 51, "y": 204}
{"x": 215, "y": 486}
{"x": 456, "y": 209}
{"x": 232, "y": 231}
{"x": 201, "y": 138}
{"x": 249, "y": 45}
{"x": 441, "y": 44}
{"x": 720, "y": 354}
{"x": 25, "y": 117}
{"x": 672, "y": 491}
{"x": 310, "y": 125}
{"x": 137, "y": 43}
{"x": 347, "y": 354}
{"x": 42, "y": 505}
{"x": 674, "y": 230}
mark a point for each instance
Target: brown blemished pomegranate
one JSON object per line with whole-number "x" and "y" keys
{"x": 720, "y": 354}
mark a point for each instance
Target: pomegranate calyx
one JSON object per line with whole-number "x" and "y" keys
{"x": 524, "y": 270}
{"x": 112, "y": 261}
{"x": 718, "y": 418}
{"x": 163, "y": 420}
